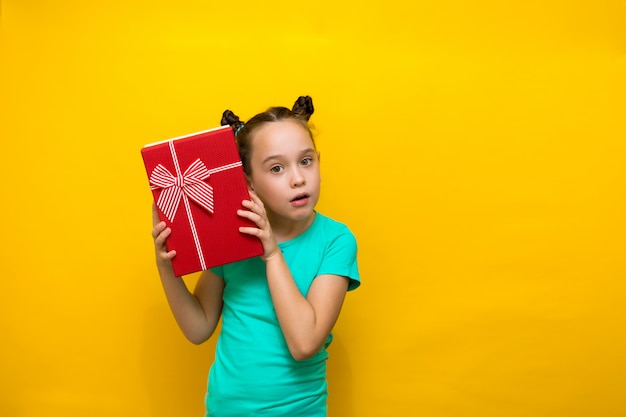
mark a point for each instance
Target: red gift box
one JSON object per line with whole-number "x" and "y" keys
{"x": 198, "y": 185}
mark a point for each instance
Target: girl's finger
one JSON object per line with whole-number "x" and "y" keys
{"x": 254, "y": 207}
{"x": 160, "y": 238}
{"x": 248, "y": 204}
{"x": 160, "y": 228}
{"x": 155, "y": 214}
{"x": 253, "y": 231}
{"x": 254, "y": 217}
{"x": 255, "y": 198}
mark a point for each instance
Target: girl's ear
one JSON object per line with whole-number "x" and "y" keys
{"x": 249, "y": 184}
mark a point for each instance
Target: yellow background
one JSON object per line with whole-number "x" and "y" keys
{"x": 476, "y": 149}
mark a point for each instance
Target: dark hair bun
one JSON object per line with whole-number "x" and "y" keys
{"x": 231, "y": 119}
{"x": 303, "y": 107}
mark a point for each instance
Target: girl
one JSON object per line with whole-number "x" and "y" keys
{"x": 277, "y": 310}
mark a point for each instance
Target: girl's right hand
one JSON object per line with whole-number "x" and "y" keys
{"x": 160, "y": 233}
{"x": 256, "y": 213}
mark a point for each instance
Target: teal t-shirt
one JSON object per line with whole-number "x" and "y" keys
{"x": 254, "y": 374}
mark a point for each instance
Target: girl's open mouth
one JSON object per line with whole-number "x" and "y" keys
{"x": 300, "y": 199}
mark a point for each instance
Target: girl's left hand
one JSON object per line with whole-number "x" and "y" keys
{"x": 256, "y": 213}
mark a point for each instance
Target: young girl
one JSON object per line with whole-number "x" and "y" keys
{"x": 277, "y": 310}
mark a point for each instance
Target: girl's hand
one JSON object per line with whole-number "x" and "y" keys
{"x": 256, "y": 213}
{"x": 160, "y": 232}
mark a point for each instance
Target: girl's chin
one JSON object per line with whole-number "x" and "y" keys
{"x": 303, "y": 214}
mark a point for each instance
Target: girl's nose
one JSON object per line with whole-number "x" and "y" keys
{"x": 297, "y": 179}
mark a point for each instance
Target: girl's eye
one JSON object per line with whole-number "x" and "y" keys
{"x": 276, "y": 168}
{"x": 307, "y": 161}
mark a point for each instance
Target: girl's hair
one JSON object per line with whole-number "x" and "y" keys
{"x": 301, "y": 112}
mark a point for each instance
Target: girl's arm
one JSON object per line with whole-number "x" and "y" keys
{"x": 197, "y": 314}
{"x": 305, "y": 322}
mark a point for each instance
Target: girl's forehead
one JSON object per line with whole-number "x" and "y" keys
{"x": 283, "y": 137}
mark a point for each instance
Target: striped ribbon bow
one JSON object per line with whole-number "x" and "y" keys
{"x": 190, "y": 183}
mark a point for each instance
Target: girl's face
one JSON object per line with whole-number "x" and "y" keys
{"x": 285, "y": 171}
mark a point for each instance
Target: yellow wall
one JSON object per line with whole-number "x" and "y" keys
{"x": 475, "y": 148}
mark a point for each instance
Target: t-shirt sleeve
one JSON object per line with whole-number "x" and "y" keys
{"x": 340, "y": 258}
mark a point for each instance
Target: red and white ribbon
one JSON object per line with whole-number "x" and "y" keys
{"x": 185, "y": 185}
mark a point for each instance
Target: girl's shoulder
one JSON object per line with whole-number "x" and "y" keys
{"x": 330, "y": 230}
{"x": 329, "y": 222}
{"x": 322, "y": 231}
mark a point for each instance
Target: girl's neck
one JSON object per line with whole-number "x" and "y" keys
{"x": 285, "y": 230}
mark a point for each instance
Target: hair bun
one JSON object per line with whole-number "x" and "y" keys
{"x": 303, "y": 107}
{"x": 231, "y": 119}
